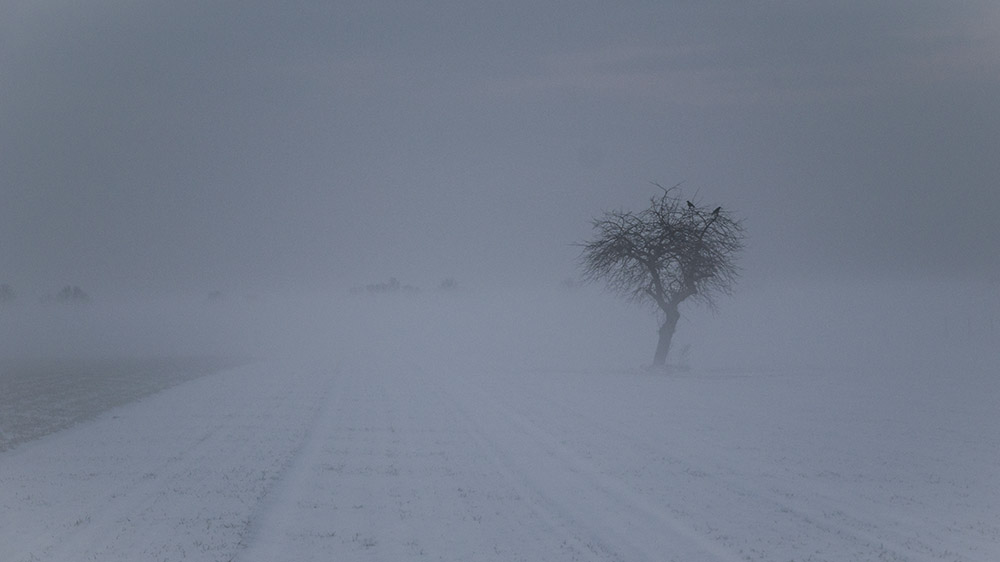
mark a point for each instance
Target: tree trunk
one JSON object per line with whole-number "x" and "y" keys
{"x": 666, "y": 334}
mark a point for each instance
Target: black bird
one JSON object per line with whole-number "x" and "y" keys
{"x": 690, "y": 205}
{"x": 716, "y": 211}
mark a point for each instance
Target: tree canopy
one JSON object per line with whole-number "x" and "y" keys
{"x": 665, "y": 254}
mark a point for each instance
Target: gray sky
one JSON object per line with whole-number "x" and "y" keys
{"x": 252, "y": 145}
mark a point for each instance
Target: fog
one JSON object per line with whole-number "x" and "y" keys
{"x": 811, "y": 329}
{"x": 155, "y": 155}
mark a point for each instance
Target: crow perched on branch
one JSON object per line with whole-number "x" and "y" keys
{"x": 690, "y": 205}
{"x": 716, "y": 211}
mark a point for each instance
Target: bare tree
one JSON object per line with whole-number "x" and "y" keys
{"x": 670, "y": 252}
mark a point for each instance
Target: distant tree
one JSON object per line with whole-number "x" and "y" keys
{"x": 72, "y": 294}
{"x": 392, "y": 286}
{"x": 389, "y": 287}
{"x": 672, "y": 251}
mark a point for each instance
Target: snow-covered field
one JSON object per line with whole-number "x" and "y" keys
{"x": 38, "y": 397}
{"x": 361, "y": 437}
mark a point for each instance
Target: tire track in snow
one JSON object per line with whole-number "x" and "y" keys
{"x": 395, "y": 470}
{"x": 605, "y": 516}
{"x": 837, "y": 521}
{"x": 175, "y": 476}
{"x": 269, "y": 531}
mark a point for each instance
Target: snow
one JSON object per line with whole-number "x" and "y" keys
{"x": 38, "y": 397}
{"x": 343, "y": 448}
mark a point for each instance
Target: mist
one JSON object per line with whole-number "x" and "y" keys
{"x": 302, "y": 280}
{"x": 154, "y": 155}
{"x": 186, "y": 148}
{"x": 865, "y": 327}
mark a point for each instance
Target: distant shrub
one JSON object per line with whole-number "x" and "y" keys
{"x": 72, "y": 295}
{"x": 389, "y": 287}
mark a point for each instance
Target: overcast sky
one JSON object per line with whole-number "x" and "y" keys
{"x": 252, "y": 145}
